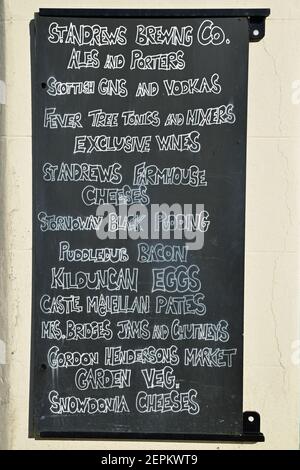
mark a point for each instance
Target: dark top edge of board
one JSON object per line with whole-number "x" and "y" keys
{"x": 157, "y": 13}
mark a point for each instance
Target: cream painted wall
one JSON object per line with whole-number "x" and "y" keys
{"x": 272, "y": 230}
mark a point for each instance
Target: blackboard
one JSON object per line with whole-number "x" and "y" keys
{"x": 137, "y": 322}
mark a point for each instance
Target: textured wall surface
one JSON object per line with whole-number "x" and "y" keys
{"x": 4, "y": 387}
{"x": 272, "y": 344}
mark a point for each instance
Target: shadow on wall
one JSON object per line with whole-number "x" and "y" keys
{"x": 3, "y": 265}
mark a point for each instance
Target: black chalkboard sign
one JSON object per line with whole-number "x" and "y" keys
{"x": 139, "y": 166}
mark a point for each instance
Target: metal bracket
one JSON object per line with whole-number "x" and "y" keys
{"x": 251, "y": 427}
{"x": 256, "y": 28}
{"x": 256, "y": 16}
